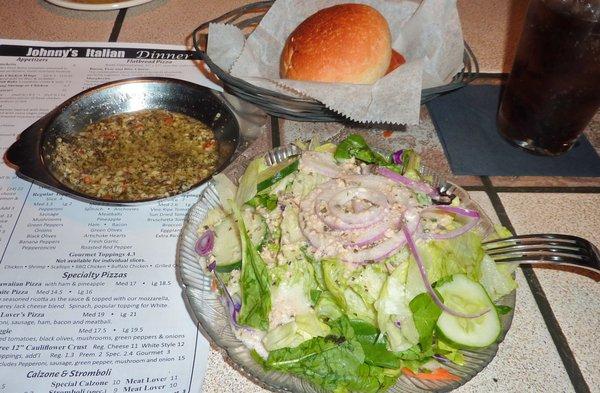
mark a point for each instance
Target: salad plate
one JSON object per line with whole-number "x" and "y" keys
{"x": 216, "y": 319}
{"x": 97, "y": 5}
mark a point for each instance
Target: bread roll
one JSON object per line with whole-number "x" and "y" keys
{"x": 346, "y": 43}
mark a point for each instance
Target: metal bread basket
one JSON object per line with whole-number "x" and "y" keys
{"x": 285, "y": 106}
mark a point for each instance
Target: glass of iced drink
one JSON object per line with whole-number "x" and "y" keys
{"x": 554, "y": 88}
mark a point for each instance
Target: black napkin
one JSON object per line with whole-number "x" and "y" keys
{"x": 465, "y": 121}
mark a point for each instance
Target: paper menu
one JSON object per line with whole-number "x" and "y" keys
{"x": 89, "y": 298}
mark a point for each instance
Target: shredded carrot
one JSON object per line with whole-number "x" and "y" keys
{"x": 387, "y": 133}
{"x": 439, "y": 374}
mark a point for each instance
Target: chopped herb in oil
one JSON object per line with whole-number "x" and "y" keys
{"x": 135, "y": 156}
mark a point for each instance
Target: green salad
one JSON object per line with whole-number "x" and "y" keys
{"x": 347, "y": 268}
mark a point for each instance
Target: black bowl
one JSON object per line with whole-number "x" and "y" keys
{"x": 129, "y": 95}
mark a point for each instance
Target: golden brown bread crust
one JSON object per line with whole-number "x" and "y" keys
{"x": 346, "y": 43}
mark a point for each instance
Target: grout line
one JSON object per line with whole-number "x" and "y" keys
{"x": 114, "y": 34}
{"x": 275, "y": 136}
{"x": 474, "y": 188}
{"x": 558, "y": 337}
{"x": 562, "y": 189}
{"x": 539, "y": 189}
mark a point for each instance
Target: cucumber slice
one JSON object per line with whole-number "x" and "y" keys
{"x": 467, "y": 296}
{"x": 227, "y": 249}
{"x": 275, "y": 173}
{"x": 229, "y": 268}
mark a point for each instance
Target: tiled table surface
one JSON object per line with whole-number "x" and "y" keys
{"x": 551, "y": 346}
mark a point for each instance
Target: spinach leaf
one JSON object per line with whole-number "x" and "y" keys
{"x": 425, "y": 315}
{"x": 362, "y": 328}
{"x": 374, "y": 345}
{"x": 503, "y": 309}
{"x": 268, "y": 201}
{"x": 335, "y": 362}
{"x": 254, "y": 281}
{"x": 356, "y": 146}
{"x": 377, "y": 354}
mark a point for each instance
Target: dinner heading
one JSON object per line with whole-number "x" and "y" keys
{"x": 84, "y": 52}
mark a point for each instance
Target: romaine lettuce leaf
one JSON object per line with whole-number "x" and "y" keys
{"x": 292, "y": 268}
{"x": 247, "y": 184}
{"x": 442, "y": 258}
{"x": 497, "y": 279}
{"x": 368, "y": 280}
{"x": 354, "y": 290}
{"x": 316, "y": 265}
{"x": 292, "y": 281}
{"x": 254, "y": 282}
{"x": 291, "y": 334}
{"x": 326, "y": 307}
{"x": 305, "y": 182}
{"x": 290, "y": 227}
{"x": 335, "y": 362}
{"x": 393, "y": 313}
{"x": 226, "y": 190}
{"x": 449, "y": 352}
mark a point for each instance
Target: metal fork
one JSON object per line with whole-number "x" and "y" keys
{"x": 545, "y": 249}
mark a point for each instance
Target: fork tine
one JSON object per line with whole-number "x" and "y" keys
{"x": 541, "y": 237}
{"x": 539, "y": 253}
{"x": 536, "y": 247}
{"x": 544, "y": 249}
{"x": 540, "y": 260}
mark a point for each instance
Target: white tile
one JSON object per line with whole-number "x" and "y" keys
{"x": 222, "y": 378}
{"x": 575, "y": 299}
{"x": 527, "y": 360}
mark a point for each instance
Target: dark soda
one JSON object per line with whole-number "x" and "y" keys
{"x": 554, "y": 88}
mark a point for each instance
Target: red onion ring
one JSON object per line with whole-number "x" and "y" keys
{"x": 368, "y": 235}
{"x": 205, "y": 243}
{"x": 389, "y": 246}
{"x": 368, "y": 215}
{"x": 365, "y": 238}
{"x": 412, "y": 184}
{"x": 328, "y": 191}
{"x": 378, "y": 252}
{"x": 413, "y": 250}
{"x": 351, "y": 238}
{"x": 471, "y": 214}
{"x": 359, "y": 206}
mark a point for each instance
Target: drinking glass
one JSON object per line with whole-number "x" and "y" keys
{"x": 554, "y": 88}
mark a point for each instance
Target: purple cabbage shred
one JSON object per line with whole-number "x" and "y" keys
{"x": 397, "y": 157}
